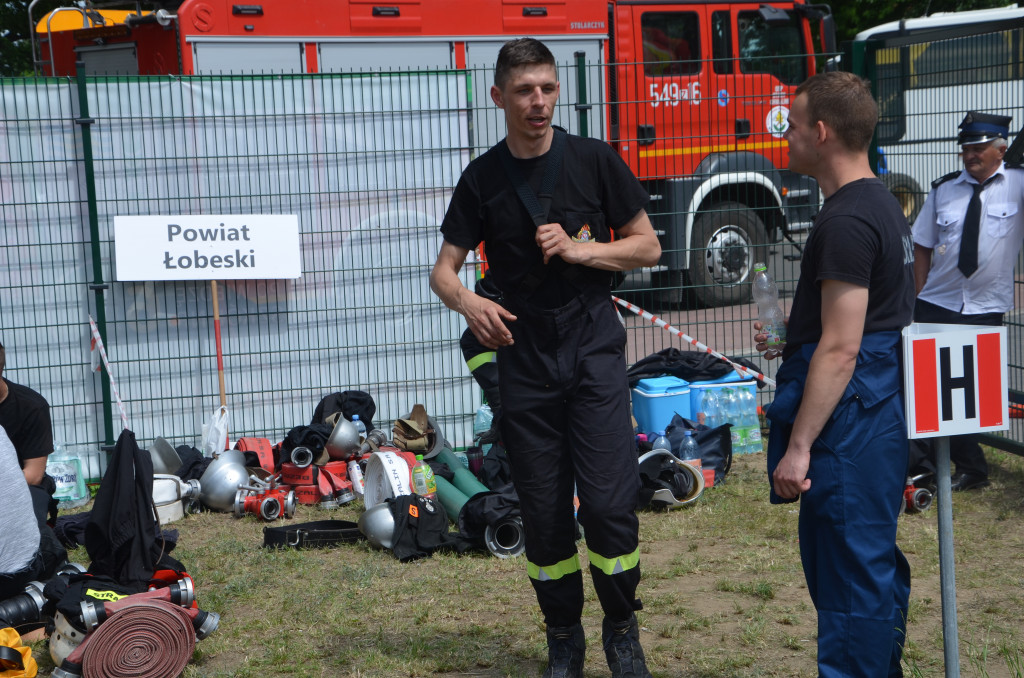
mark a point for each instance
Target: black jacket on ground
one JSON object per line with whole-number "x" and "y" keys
{"x": 121, "y": 537}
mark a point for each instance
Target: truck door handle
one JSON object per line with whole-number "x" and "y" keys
{"x": 742, "y": 128}
{"x": 645, "y": 135}
{"x": 535, "y": 11}
{"x": 386, "y": 11}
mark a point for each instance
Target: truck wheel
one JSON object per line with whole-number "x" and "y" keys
{"x": 727, "y": 238}
{"x": 907, "y": 192}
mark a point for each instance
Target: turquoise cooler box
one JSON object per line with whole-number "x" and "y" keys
{"x": 657, "y": 400}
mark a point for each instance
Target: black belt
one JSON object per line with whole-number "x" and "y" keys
{"x": 317, "y": 534}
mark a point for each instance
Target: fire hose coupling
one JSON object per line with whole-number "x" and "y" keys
{"x": 67, "y": 669}
{"x": 374, "y": 439}
{"x": 181, "y": 593}
{"x": 205, "y": 623}
{"x": 302, "y": 456}
{"x": 506, "y": 538}
{"x": 266, "y": 504}
{"x": 24, "y": 608}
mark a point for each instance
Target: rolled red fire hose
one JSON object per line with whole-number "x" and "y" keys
{"x": 147, "y": 638}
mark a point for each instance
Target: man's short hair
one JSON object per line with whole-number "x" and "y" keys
{"x": 842, "y": 101}
{"x": 3, "y": 358}
{"x": 519, "y": 53}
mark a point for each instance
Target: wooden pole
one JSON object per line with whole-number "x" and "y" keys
{"x": 216, "y": 336}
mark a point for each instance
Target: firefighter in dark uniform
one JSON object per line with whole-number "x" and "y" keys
{"x": 560, "y": 349}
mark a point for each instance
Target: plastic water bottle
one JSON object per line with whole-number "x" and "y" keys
{"x": 731, "y": 414}
{"x": 749, "y": 421}
{"x": 360, "y": 427}
{"x": 66, "y": 470}
{"x": 355, "y": 476}
{"x": 661, "y": 443}
{"x": 711, "y": 409}
{"x": 769, "y": 313}
{"x": 482, "y": 424}
{"x": 690, "y": 450}
{"x": 423, "y": 482}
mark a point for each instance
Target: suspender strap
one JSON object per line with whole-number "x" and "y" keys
{"x": 539, "y": 205}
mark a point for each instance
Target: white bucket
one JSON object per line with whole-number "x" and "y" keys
{"x": 387, "y": 476}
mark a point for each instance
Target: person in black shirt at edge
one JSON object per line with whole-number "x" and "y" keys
{"x": 560, "y": 351}
{"x": 838, "y": 438}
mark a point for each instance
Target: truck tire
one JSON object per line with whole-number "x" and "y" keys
{"x": 907, "y": 192}
{"x": 727, "y": 239}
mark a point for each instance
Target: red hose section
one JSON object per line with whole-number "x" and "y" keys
{"x": 150, "y": 638}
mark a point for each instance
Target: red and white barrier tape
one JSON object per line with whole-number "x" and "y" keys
{"x": 687, "y": 338}
{"x": 106, "y": 363}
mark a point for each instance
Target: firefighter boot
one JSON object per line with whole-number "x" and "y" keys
{"x": 622, "y": 649}
{"x": 566, "y": 646}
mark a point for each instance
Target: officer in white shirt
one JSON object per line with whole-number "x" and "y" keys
{"x": 966, "y": 242}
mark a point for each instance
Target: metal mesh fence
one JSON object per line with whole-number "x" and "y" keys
{"x": 367, "y": 161}
{"x": 925, "y": 84}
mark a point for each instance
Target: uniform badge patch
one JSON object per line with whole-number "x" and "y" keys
{"x": 583, "y": 235}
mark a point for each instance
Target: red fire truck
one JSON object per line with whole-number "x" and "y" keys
{"x": 693, "y": 94}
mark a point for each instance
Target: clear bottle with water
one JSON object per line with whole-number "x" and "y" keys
{"x": 482, "y": 424}
{"x": 769, "y": 313}
{"x": 710, "y": 408}
{"x": 661, "y": 443}
{"x": 423, "y": 482}
{"x": 731, "y": 414}
{"x": 690, "y": 450}
{"x": 749, "y": 421}
{"x": 66, "y": 470}
{"x": 360, "y": 427}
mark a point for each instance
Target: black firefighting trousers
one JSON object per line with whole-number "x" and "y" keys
{"x": 566, "y": 421}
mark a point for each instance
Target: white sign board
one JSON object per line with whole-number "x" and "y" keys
{"x": 207, "y": 247}
{"x": 955, "y": 379}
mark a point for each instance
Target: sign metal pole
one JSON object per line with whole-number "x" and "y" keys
{"x": 947, "y": 568}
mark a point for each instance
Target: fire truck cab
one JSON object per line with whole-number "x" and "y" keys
{"x": 694, "y": 95}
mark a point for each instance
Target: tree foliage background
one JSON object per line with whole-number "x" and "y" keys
{"x": 851, "y": 16}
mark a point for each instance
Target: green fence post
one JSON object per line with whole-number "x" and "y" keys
{"x": 97, "y": 285}
{"x": 582, "y": 107}
{"x": 862, "y": 56}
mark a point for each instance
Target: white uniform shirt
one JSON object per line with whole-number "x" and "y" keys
{"x": 19, "y": 531}
{"x": 939, "y": 226}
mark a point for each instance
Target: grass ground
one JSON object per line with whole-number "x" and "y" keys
{"x": 722, "y": 589}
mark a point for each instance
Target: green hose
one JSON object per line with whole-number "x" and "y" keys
{"x": 451, "y": 498}
{"x": 464, "y": 478}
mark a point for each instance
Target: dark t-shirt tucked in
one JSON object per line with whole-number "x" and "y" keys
{"x": 860, "y": 237}
{"x": 595, "y": 194}
{"x": 25, "y": 415}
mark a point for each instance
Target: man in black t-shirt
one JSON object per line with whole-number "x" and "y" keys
{"x": 560, "y": 349}
{"x": 838, "y": 438}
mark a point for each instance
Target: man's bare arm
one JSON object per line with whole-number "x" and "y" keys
{"x": 485, "y": 318}
{"x": 843, "y": 311}
{"x": 34, "y": 470}
{"x": 635, "y": 244}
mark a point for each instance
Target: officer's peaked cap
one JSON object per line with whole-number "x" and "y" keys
{"x": 977, "y": 128}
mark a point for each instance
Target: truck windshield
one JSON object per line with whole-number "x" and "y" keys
{"x": 773, "y": 50}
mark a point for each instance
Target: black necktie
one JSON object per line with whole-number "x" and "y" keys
{"x": 968, "y": 261}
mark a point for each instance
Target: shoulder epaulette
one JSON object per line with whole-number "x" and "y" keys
{"x": 944, "y": 179}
